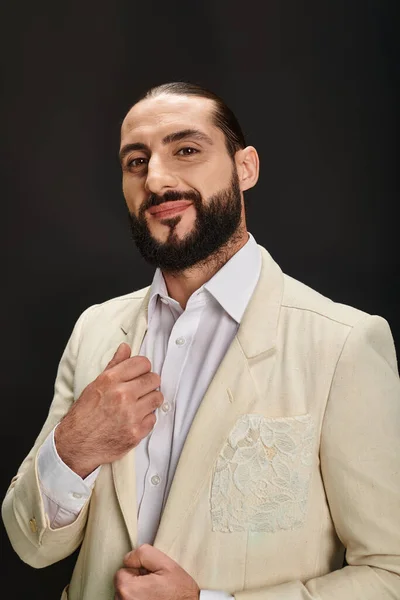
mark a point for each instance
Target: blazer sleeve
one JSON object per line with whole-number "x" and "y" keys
{"x": 360, "y": 464}
{"x": 23, "y": 511}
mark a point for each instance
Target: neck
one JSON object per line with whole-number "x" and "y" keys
{"x": 181, "y": 285}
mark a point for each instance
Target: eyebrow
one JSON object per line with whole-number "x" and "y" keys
{"x": 187, "y": 133}
{"x": 176, "y": 136}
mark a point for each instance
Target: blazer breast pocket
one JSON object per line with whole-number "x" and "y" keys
{"x": 262, "y": 474}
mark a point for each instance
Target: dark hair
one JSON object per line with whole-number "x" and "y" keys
{"x": 223, "y": 117}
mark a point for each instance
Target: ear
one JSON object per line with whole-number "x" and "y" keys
{"x": 248, "y": 167}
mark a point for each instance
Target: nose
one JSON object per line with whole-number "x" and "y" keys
{"x": 160, "y": 177}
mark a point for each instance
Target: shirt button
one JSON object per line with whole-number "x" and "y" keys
{"x": 165, "y": 407}
{"x": 76, "y": 496}
{"x": 180, "y": 341}
{"x": 155, "y": 480}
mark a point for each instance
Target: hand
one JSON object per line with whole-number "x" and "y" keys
{"x": 112, "y": 415}
{"x": 165, "y": 579}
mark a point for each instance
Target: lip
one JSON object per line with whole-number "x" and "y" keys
{"x": 169, "y": 209}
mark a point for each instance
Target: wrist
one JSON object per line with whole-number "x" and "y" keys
{"x": 71, "y": 454}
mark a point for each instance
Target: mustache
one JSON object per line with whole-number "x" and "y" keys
{"x": 170, "y": 196}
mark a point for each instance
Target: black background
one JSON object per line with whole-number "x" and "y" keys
{"x": 315, "y": 86}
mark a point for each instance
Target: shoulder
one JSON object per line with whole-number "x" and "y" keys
{"x": 299, "y": 298}
{"x": 332, "y": 321}
{"x": 119, "y": 302}
{"x": 329, "y": 326}
{"x": 115, "y": 310}
{"x": 300, "y": 301}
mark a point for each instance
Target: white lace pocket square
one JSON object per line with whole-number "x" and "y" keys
{"x": 262, "y": 474}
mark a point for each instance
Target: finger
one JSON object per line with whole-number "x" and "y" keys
{"x": 131, "y": 570}
{"x": 149, "y": 403}
{"x": 147, "y": 425}
{"x": 132, "y": 560}
{"x": 122, "y": 353}
{"x": 139, "y": 588}
{"x": 124, "y": 580}
{"x": 148, "y": 557}
{"x": 142, "y": 384}
{"x": 132, "y": 368}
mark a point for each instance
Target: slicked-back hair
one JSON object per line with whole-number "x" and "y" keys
{"x": 223, "y": 117}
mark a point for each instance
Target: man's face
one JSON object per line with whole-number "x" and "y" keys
{"x": 179, "y": 182}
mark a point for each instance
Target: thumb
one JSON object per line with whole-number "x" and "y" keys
{"x": 148, "y": 557}
{"x": 122, "y": 353}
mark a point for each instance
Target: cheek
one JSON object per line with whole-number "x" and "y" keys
{"x": 133, "y": 194}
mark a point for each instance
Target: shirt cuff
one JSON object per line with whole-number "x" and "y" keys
{"x": 215, "y": 595}
{"x": 59, "y": 483}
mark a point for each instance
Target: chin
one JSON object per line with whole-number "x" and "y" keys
{"x": 159, "y": 234}
{"x": 184, "y": 228}
{"x": 173, "y": 227}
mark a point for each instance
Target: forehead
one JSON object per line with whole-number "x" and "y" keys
{"x": 155, "y": 117}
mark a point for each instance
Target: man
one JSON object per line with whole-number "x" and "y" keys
{"x": 227, "y": 431}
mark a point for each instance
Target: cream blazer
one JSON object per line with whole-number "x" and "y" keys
{"x": 292, "y": 459}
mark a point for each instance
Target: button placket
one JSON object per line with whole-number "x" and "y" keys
{"x": 178, "y": 325}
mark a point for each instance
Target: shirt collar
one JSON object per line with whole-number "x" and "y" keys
{"x": 158, "y": 289}
{"x": 232, "y": 286}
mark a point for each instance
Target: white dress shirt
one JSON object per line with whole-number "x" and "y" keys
{"x": 185, "y": 347}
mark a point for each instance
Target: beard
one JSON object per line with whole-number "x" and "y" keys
{"x": 215, "y": 229}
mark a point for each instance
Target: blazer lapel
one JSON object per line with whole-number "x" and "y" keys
{"x": 123, "y": 470}
{"x": 234, "y": 390}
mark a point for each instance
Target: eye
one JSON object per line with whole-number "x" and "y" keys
{"x": 187, "y": 151}
{"x": 137, "y": 162}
